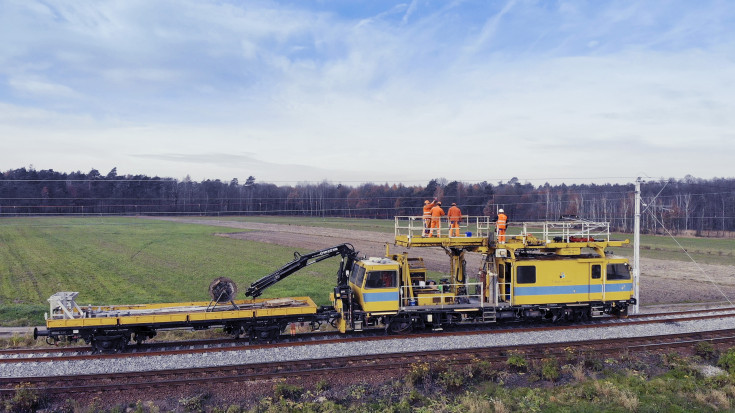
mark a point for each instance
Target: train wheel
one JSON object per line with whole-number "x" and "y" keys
{"x": 267, "y": 334}
{"x": 400, "y": 325}
{"x": 109, "y": 344}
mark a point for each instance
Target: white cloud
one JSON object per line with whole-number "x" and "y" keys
{"x": 467, "y": 88}
{"x": 40, "y": 88}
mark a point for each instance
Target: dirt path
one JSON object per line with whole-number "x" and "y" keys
{"x": 662, "y": 282}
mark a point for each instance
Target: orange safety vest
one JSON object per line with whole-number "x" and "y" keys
{"x": 427, "y": 209}
{"x": 502, "y": 219}
{"x": 454, "y": 214}
{"x": 437, "y": 211}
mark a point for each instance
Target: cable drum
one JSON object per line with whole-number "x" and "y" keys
{"x": 222, "y": 290}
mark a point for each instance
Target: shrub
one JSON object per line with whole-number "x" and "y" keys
{"x": 26, "y": 399}
{"x": 727, "y": 360}
{"x": 322, "y": 385}
{"x": 194, "y": 404}
{"x": 532, "y": 401}
{"x": 579, "y": 372}
{"x": 234, "y": 409}
{"x": 357, "y": 392}
{"x": 550, "y": 369}
{"x": 473, "y": 403}
{"x": 517, "y": 361}
{"x": 419, "y": 373}
{"x": 284, "y": 390}
{"x": 594, "y": 364}
{"x": 628, "y": 400}
{"x": 705, "y": 349}
{"x": 715, "y": 399}
{"x": 481, "y": 369}
{"x": 499, "y": 406}
{"x": 451, "y": 379}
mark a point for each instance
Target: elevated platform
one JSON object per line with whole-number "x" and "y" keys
{"x": 480, "y": 234}
{"x": 444, "y": 241}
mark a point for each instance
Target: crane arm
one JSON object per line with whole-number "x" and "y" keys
{"x": 347, "y": 251}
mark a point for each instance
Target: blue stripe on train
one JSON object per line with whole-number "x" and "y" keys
{"x": 375, "y": 297}
{"x": 572, "y": 289}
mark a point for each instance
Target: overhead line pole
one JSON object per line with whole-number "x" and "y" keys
{"x": 637, "y": 246}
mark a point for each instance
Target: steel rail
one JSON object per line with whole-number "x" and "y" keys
{"x": 218, "y": 345}
{"x": 397, "y": 363}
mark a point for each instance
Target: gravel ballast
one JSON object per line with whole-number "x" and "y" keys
{"x": 335, "y": 350}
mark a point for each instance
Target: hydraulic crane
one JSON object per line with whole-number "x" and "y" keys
{"x": 347, "y": 251}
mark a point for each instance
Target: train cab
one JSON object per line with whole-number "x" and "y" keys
{"x": 375, "y": 284}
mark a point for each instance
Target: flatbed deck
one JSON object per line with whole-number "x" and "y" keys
{"x": 161, "y": 314}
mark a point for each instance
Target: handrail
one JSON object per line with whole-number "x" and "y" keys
{"x": 474, "y": 294}
{"x": 545, "y": 232}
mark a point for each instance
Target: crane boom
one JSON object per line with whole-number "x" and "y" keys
{"x": 347, "y": 251}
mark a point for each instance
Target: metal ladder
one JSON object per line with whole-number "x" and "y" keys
{"x": 597, "y": 311}
{"x": 489, "y": 315}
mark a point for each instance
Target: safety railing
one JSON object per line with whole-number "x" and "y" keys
{"x": 531, "y": 233}
{"x": 467, "y": 226}
{"x": 566, "y": 231}
{"x": 442, "y": 295}
{"x": 503, "y": 293}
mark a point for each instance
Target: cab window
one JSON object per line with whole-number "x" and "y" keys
{"x": 381, "y": 279}
{"x": 618, "y": 272}
{"x": 357, "y": 275}
{"x": 526, "y": 274}
{"x": 596, "y": 272}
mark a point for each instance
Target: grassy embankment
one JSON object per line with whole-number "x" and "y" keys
{"x": 586, "y": 381}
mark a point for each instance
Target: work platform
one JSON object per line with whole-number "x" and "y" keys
{"x": 480, "y": 234}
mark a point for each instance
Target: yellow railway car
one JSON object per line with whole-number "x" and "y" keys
{"x": 555, "y": 271}
{"x": 111, "y": 328}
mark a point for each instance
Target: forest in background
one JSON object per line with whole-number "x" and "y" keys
{"x": 689, "y": 205}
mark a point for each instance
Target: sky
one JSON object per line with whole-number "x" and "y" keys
{"x": 370, "y": 91}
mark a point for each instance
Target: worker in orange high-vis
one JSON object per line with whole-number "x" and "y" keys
{"x": 436, "y": 216}
{"x": 501, "y": 224}
{"x": 427, "y": 215}
{"x": 455, "y": 216}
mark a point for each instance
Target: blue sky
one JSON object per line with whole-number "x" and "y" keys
{"x": 374, "y": 91}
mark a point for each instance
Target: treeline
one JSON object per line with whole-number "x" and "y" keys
{"x": 687, "y": 205}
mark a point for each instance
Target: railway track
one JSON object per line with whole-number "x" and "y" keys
{"x": 356, "y": 367}
{"x": 33, "y": 355}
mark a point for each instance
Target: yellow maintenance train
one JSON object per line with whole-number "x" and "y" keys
{"x": 555, "y": 271}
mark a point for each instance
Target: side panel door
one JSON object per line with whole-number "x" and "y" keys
{"x": 596, "y": 286}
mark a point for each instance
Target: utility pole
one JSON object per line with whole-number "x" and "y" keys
{"x": 637, "y": 246}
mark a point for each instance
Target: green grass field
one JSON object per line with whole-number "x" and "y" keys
{"x": 116, "y": 260}
{"x": 129, "y": 260}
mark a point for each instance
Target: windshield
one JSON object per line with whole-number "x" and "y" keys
{"x": 381, "y": 279}
{"x": 618, "y": 272}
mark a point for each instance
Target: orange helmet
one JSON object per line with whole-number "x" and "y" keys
{"x": 426, "y": 202}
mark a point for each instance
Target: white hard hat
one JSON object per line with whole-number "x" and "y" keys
{"x": 501, "y": 210}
